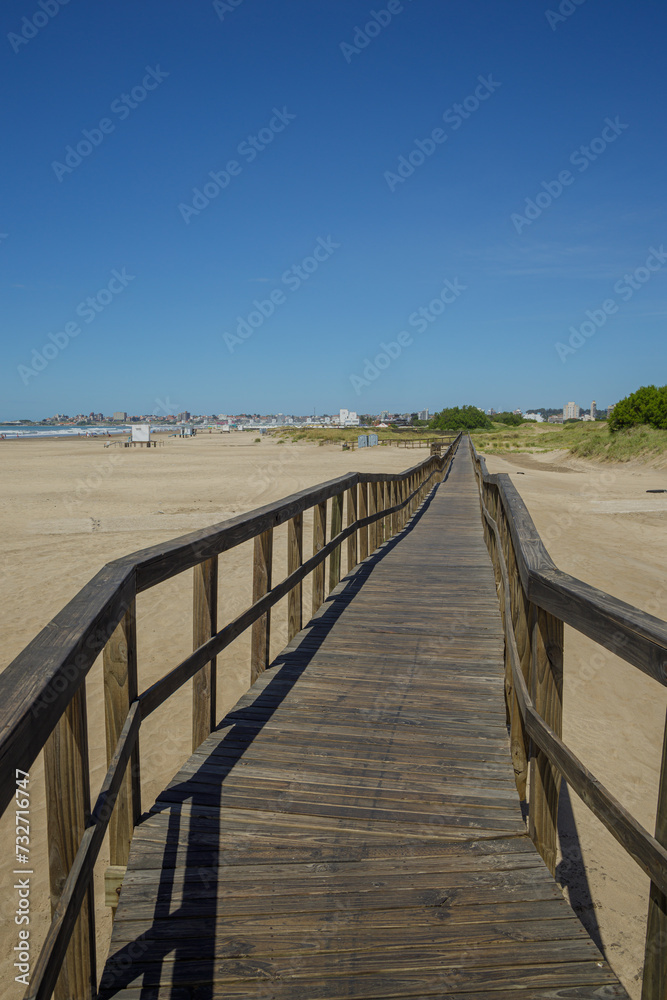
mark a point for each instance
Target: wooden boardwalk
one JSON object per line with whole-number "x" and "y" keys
{"x": 352, "y": 828}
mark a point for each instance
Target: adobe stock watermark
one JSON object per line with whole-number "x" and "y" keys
{"x": 31, "y": 26}
{"x": 582, "y": 157}
{"x": 87, "y": 310}
{"x": 565, "y": 10}
{"x": 419, "y": 321}
{"x": 625, "y": 288}
{"x": 249, "y": 149}
{"x": 363, "y": 36}
{"x": 222, "y": 7}
{"x": 454, "y": 117}
{"x": 122, "y": 107}
{"x": 292, "y": 278}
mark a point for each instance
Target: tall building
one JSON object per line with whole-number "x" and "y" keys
{"x": 594, "y": 410}
{"x": 185, "y": 415}
{"x": 422, "y": 415}
{"x": 571, "y": 411}
{"x": 120, "y": 416}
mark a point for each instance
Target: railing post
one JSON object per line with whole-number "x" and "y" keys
{"x": 386, "y": 502}
{"x": 261, "y": 584}
{"x": 372, "y": 509}
{"x": 546, "y": 687}
{"x": 336, "y": 527}
{"x": 363, "y": 512}
{"x": 294, "y": 561}
{"x": 204, "y": 625}
{"x": 654, "y": 986}
{"x": 120, "y": 690}
{"x": 66, "y": 775}
{"x": 319, "y": 534}
{"x": 517, "y": 617}
{"x": 351, "y": 518}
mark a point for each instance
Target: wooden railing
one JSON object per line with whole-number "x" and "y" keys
{"x": 43, "y": 691}
{"x": 537, "y": 600}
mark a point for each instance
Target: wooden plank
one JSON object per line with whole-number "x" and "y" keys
{"x": 294, "y": 561}
{"x": 76, "y": 897}
{"x": 351, "y": 519}
{"x": 654, "y": 986}
{"x": 364, "y": 511}
{"x": 66, "y": 776}
{"x": 204, "y": 625}
{"x": 547, "y": 694}
{"x": 261, "y": 585}
{"x": 120, "y": 690}
{"x": 319, "y": 538}
{"x": 336, "y": 526}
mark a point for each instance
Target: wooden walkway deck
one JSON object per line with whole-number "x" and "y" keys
{"x": 352, "y": 829}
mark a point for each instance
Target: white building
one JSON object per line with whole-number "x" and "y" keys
{"x": 348, "y": 418}
{"x": 571, "y": 411}
{"x": 423, "y": 415}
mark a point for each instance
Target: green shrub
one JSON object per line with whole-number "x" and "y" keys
{"x": 457, "y": 418}
{"x": 647, "y": 406}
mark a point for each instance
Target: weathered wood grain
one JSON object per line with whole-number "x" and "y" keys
{"x": 204, "y": 626}
{"x": 120, "y": 691}
{"x": 261, "y": 585}
{"x": 294, "y": 562}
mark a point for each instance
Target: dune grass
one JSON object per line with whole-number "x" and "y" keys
{"x": 338, "y": 435}
{"x": 591, "y": 440}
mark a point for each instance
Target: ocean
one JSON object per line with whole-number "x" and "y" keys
{"x": 59, "y": 430}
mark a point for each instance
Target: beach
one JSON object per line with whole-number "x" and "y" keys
{"x": 71, "y": 505}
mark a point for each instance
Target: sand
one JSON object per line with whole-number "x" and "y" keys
{"x": 70, "y": 506}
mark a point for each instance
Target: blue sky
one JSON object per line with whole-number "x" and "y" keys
{"x": 337, "y": 97}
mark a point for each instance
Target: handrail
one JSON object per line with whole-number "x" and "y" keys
{"x": 548, "y": 599}
{"x": 42, "y": 692}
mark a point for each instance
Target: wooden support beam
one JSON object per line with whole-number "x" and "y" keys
{"x": 372, "y": 509}
{"x": 393, "y": 499}
{"x": 654, "y": 986}
{"x": 120, "y": 690}
{"x": 319, "y": 537}
{"x": 363, "y": 512}
{"x": 66, "y": 775}
{"x": 351, "y": 518}
{"x": 204, "y": 625}
{"x": 517, "y": 615}
{"x": 546, "y": 687}
{"x": 261, "y": 585}
{"x": 294, "y": 561}
{"x": 336, "y": 526}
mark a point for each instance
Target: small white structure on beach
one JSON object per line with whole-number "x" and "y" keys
{"x": 141, "y": 434}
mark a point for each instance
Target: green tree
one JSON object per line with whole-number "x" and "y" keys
{"x": 511, "y": 419}
{"x": 461, "y": 418}
{"x": 648, "y": 405}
